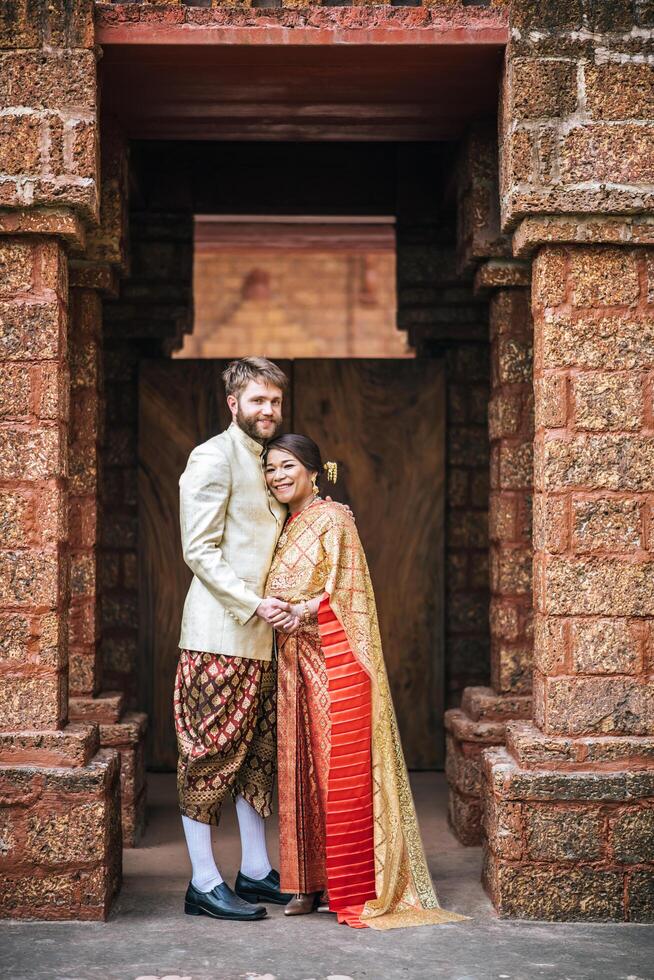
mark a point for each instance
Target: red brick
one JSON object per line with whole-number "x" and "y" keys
{"x": 31, "y": 702}
{"x": 504, "y": 619}
{"x": 20, "y": 144}
{"x": 596, "y": 462}
{"x": 551, "y": 401}
{"x": 15, "y": 632}
{"x": 84, "y": 150}
{"x": 604, "y": 646}
{"x": 599, "y": 586}
{"x": 57, "y": 80}
{"x": 604, "y": 276}
{"x": 549, "y": 644}
{"x": 606, "y": 524}
{"x": 35, "y": 454}
{"x": 515, "y": 467}
{"x": 15, "y": 390}
{"x": 604, "y": 401}
{"x": 30, "y": 330}
{"x": 551, "y": 531}
{"x": 622, "y": 342}
{"x": 605, "y": 705}
{"x": 541, "y": 88}
{"x": 618, "y": 153}
{"x": 16, "y": 267}
{"x": 52, "y": 391}
{"x": 620, "y": 91}
{"x": 29, "y": 578}
{"x": 549, "y": 276}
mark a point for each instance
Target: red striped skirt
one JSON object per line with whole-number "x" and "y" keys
{"x": 325, "y": 770}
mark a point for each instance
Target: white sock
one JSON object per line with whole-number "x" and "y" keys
{"x": 198, "y": 840}
{"x": 254, "y": 855}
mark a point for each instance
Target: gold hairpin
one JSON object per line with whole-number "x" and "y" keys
{"x": 331, "y": 471}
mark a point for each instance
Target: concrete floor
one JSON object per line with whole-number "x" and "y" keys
{"x": 148, "y": 937}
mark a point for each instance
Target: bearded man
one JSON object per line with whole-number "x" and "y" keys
{"x": 225, "y": 684}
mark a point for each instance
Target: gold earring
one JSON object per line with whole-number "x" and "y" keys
{"x": 314, "y": 480}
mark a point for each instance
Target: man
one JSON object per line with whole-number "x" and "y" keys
{"x": 225, "y": 685}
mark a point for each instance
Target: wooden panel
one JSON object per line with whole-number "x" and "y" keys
{"x": 383, "y": 422}
{"x": 182, "y": 403}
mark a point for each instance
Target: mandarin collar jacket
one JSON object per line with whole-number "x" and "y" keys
{"x": 230, "y": 525}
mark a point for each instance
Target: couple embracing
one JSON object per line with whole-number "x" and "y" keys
{"x": 281, "y": 667}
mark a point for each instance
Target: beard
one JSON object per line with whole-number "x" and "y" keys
{"x": 250, "y": 425}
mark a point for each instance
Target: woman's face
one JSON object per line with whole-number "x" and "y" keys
{"x": 288, "y": 479}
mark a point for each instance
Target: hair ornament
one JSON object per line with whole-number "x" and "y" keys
{"x": 331, "y": 471}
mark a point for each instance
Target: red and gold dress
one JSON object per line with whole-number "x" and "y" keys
{"x": 346, "y": 814}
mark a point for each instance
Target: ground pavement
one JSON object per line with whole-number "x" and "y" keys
{"x": 148, "y": 938}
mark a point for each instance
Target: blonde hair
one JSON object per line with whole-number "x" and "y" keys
{"x": 238, "y": 373}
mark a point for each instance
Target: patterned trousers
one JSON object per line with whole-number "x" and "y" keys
{"x": 225, "y": 724}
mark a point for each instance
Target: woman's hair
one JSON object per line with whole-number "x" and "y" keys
{"x": 302, "y": 447}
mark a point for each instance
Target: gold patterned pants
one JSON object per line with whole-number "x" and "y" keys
{"x": 225, "y": 724}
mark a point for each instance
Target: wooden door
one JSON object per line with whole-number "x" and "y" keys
{"x": 383, "y": 422}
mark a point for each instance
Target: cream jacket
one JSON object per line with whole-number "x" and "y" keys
{"x": 230, "y": 525}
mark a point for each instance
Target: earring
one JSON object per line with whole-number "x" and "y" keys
{"x": 314, "y": 480}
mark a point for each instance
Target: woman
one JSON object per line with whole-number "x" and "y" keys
{"x": 347, "y": 820}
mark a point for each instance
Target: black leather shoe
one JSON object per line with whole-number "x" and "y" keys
{"x": 221, "y": 903}
{"x": 261, "y": 890}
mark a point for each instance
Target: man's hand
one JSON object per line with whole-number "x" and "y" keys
{"x": 276, "y": 613}
{"x": 346, "y": 508}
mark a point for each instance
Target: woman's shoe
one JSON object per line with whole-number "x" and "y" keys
{"x": 303, "y": 904}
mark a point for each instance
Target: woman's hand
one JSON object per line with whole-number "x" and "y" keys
{"x": 306, "y": 612}
{"x": 291, "y": 628}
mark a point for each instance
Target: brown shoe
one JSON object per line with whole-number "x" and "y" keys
{"x": 303, "y": 904}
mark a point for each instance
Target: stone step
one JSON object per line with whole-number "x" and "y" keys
{"x": 533, "y": 750}
{"x": 75, "y": 745}
{"x": 484, "y": 704}
{"x": 104, "y": 709}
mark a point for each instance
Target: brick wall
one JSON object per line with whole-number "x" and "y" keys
{"x": 301, "y": 304}
{"x": 466, "y": 519}
{"x": 575, "y": 104}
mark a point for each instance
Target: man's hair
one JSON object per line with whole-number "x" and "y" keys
{"x": 238, "y": 373}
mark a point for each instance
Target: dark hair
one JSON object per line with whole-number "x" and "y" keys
{"x": 302, "y": 447}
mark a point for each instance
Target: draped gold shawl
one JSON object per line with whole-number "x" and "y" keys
{"x": 320, "y": 551}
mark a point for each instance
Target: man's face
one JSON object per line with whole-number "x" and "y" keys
{"x": 257, "y": 410}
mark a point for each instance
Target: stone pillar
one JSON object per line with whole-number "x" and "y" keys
{"x": 89, "y": 701}
{"x": 484, "y": 712}
{"x": 569, "y": 803}
{"x": 570, "y": 815}
{"x": 85, "y": 679}
{"x": 59, "y": 796}
{"x": 466, "y": 517}
{"x": 481, "y": 719}
{"x": 94, "y": 277}
{"x": 61, "y": 854}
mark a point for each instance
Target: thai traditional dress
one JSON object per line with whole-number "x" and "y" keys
{"x": 347, "y": 818}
